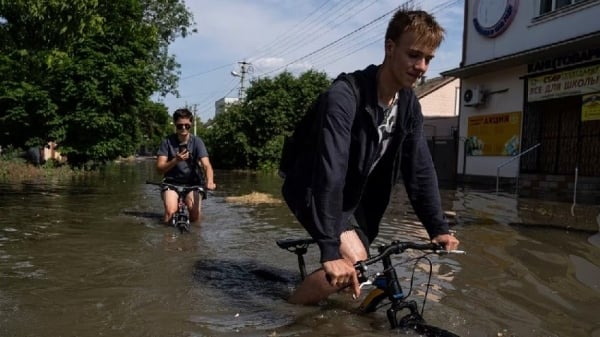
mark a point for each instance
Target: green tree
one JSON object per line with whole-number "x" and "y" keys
{"x": 250, "y": 135}
{"x": 83, "y": 72}
{"x": 226, "y": 139}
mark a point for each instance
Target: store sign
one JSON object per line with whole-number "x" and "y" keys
{"x": 562, "y": 84}
{"x": 569, "y": 60}
{"x": 590, "y": 107}
{"x": 494, "y": 135}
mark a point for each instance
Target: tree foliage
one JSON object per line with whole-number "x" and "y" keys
{"x": 83, "y": 72}
{"x": 250, "y": 135}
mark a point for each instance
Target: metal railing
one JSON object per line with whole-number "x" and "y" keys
{"x": 508, "y": 162}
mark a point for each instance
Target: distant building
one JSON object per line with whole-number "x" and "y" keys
{"x": 530, "y": 75}
{"x": 439, "y": 98}
{"x": 221, "y": 105}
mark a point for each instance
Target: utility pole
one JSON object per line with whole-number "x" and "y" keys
{"x": 194, "y": 109}
{"x": 245, "y": 68}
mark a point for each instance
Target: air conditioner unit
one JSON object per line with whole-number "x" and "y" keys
{"x": 473, "y": 96}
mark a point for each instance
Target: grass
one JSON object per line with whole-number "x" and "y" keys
{"x": 16, "y": 170}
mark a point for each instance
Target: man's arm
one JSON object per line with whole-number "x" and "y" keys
{"x": 208, "y": 169}
{"x": 163, "y": 165}
{"x": 420, "y": 178}
{"x": 331, "y": 166}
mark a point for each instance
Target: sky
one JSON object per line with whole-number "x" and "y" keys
{"x": 272, "y": 36}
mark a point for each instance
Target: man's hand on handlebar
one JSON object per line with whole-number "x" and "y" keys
{"x": 211, "y": 186}
{"x": 448, "y": 241}
{"x": 341, "y": 273}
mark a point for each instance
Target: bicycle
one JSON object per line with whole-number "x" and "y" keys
{"x": 388, "y": 290}
{"x": 181, "y": 218}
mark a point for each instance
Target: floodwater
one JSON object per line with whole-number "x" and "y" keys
{"x": 89, "y": 257}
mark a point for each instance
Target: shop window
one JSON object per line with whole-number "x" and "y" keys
{"x": 547, "y": 6}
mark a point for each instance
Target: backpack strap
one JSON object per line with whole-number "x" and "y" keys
{"x": 309, "y": 127}
{"x": 352, "y": 81}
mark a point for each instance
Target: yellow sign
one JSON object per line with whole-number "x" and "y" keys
{"x": 590, "y": 107}
{"x": 494, "y": 135}
{"x": 566, "y": 83}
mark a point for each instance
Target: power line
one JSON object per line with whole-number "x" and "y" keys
{"x": 363, "y": 37}
{"x": 338, "y": 42}
{"x": 208, "y": 71}
{"x": 291, "y": 30}
{"x": 339, "y": 39}
{"x": 315, "y": 32}
{"x": 334, "y": 55}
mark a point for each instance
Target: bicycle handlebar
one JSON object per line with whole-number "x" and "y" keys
{"x": 397, "y": 247}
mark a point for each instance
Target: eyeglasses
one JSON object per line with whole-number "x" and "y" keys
{"x": 181, "y": 126}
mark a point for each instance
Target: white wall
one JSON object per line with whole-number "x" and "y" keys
{"x": 528, "y": 30}
{"x": 510, "y": 101}
{"x": 441, "y": 102}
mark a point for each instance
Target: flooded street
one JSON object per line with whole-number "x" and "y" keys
{"x": 89, "y": 257}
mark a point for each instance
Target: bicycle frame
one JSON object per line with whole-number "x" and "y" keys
{"x": 391, "y": 287}
{"x": 181, "y": 218}
{"x": 387, "y": 284}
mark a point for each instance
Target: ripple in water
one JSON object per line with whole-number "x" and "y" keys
{"x": 255, "y": 291}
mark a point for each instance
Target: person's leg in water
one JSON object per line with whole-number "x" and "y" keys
{"x": 315, "y": 286}
{"x": 170, "y": 203}
{"x": 194, "y": 203}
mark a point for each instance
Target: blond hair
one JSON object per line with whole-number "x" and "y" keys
{"x": 429, "y": 32}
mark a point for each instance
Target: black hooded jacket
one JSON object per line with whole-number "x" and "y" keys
{"x": 332, "y": 179}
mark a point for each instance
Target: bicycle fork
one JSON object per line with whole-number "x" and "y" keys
{"x": 180, "y": 219}
{"x": 396, "y": 297}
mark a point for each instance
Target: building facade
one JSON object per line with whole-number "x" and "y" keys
{"x": 440, "y": 99}
{"x": 221, "y": 104}
{"x": 530, "y": 92}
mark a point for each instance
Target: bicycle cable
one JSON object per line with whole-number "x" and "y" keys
{"x": 412, "y": 277}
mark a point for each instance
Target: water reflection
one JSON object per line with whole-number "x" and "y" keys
{"x": 89, "y": 257}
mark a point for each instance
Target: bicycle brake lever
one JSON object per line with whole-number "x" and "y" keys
{"x": 452, "y": 251}
{"x": 369, "y": 280}
{"x": 360, "y": 286}
{"x": 366, "y": 283}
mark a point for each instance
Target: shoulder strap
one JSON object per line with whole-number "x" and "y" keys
{"x": 352, "y": 81}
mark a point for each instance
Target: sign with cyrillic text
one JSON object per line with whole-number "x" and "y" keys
{"x": 574, "y": 82}
{"x": 494, "y": 135}
{"x": 590, "y": 107}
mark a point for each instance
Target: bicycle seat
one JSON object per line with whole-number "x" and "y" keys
{"x": 287, "y": 243}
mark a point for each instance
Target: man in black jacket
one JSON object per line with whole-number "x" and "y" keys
{"x": 370, "y": 131}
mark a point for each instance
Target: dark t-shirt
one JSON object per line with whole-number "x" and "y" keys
{"x": 185, "y": 172}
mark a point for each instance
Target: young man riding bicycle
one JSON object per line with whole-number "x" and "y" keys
{"x": 340, "y": 186}
{"x": 183, "y": 159}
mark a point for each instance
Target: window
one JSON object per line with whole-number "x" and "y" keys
{"x": 547, "y": 6}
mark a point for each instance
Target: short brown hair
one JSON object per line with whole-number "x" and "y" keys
{"x": 428, "y": 31}
{"x": 183, "y": 113}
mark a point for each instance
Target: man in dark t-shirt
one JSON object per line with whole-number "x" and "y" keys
{"x": 182, "y": 158}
